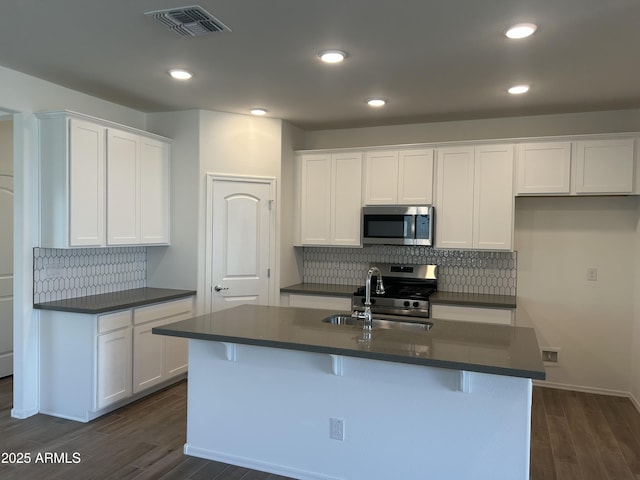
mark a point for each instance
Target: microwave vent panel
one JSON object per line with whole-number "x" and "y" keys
{"x": 189, "y": 21}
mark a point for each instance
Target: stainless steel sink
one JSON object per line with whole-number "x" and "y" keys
{"x": 379, "y": 323}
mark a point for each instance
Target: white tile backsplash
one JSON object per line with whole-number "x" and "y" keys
{"x": 60, "y": 274}
{"x": 469, "y": 271}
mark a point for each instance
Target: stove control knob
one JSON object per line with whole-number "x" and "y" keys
{"x": 407, "y": 303}
{"x": 416, "y": 304}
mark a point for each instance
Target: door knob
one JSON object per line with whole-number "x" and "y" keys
{"x": 219, "y": 288}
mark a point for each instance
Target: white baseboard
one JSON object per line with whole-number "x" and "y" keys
{"x": 598, "y": 391}
{"x": 22, "y": 414}
{"x": 255, "y": 464}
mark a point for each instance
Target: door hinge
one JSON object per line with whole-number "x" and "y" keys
{"x": 271, "y": 204}
{"x": 268, "y": 273}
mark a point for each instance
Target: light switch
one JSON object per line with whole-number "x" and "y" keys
{"x": 592, "y": 274}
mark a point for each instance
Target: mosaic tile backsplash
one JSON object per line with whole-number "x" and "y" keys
{"x": 60, "y": 274}
{"x": 469, "y": 271}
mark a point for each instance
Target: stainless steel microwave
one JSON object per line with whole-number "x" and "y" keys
{"x": 398, "y": 225}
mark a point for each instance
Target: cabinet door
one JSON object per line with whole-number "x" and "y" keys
{"x": 493, "y": 197}
{"x": 154, "y": 191}
{"x": 544, "y": 168}
{"x": 454, "y": 198}
{"x": 113, "y": 367}
{"x": 381, "y": 178}
{"x": 315, "y": 205}
{"x": 415, "y": 177}
{"x": 148, "y": 356}
{"x": 176, "y": 356}
{"x": 123, "y": 152}
{"x": 86, "y": 183}
{"x": 604, "y": 166}
{"x": 346, "y": 199}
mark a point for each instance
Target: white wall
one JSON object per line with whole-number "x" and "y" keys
{"x": 290, "y": 258}
{"x": 177, "y": 266}
{"x": 557, "y": 239}
{"x": 496, "y": 128}
{"x": 22, "y": 95}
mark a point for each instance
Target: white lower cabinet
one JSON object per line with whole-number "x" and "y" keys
{"x": 91, "y": 364}
{"x": 113, "y": 367}
{"x": 157, "y": 357}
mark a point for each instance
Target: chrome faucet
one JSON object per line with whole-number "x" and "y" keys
{"x": 366, "y": 316}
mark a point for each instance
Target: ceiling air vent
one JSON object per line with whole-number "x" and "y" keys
{"x": 189, "y": 21}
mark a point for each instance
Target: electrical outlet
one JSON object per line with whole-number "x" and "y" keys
{"x": 53, "y": 270}
{"x": 336, "y": 428}
{"x": 592, "y": 274}
{"x": 550, "y": 356}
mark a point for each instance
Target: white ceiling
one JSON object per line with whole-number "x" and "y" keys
{"x": 433, "y": 60}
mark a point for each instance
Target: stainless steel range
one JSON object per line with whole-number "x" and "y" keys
{"x": 406, "y": 291}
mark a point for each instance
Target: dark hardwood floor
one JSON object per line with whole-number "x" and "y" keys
{"x": 574, "y": 435}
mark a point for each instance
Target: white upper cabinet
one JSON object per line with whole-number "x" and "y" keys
{"x": 604, "y": 166}
{"x": 494, "y": 201}
{"x": 402, "y": 177}
{"x": 330, "y": 198}
{"x": 474, "y": 197}
{"x": 154, "y": 191}
{"x": 454, "y": 197}
{"x": 598, "y": 166}
{"x": 101, "y": 185}
{"x": 72, "y": 167}
{"x": 381, "y": 178}
{"x": 544, "y": 168}
{"x": 137, "y": 189}
{"x": 415, "y": 176}
{"x": 123, "y": 178}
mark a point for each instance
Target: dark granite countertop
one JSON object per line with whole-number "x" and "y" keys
{"x": 441, "y": 298}
{"x": 321, "y": 289}
{"x": 493, "y": 349}
{"x": 107, "y": 302}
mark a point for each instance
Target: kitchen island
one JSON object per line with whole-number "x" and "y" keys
{"x": 279, "y": 390}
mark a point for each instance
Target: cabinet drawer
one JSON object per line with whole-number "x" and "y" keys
{"x": 114, "y": 321}
{"x": 158, "y": 311}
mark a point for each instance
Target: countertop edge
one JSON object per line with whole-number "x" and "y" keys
{"x": 167, "y": 295}
{"x": 168, "y": 330}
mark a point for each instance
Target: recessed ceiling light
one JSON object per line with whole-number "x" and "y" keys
{"x": 376, "y": 102}
{"x": 180, "y": 74}
{"x": 332, "y": 56}
{"x": 258, "y": 111}
{"x": 521, "y": 30}
{"x": 518, "y": 89}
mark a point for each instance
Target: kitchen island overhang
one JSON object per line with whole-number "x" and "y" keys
{"x": 265, "y": 384}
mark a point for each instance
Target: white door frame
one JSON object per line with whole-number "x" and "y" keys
{"x": 209, "y": 246}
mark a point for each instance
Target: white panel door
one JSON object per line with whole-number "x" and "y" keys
{"x": 241, "y": 243}
{"x": 454, "y": 198}
{"x": 86, "y": 183}
{"x": 123, "y": 170}
{"x": 6, "y": 275}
